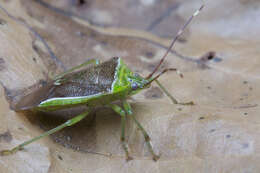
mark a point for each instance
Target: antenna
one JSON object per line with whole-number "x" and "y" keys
{"x": 174, "y": 40}
{"x": 164, "y": 71}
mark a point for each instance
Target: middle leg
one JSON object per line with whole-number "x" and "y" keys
{"x": 128, "y": 110}
{"x": 122, "y": 113}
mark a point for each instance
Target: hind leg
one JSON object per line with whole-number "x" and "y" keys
{"x": 66, "y": 124}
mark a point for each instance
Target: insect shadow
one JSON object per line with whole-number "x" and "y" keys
{"x": 83, "y": 136}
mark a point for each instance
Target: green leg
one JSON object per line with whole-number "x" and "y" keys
{"x": 128, "y": 109}
{"x": 122, "y": 113}
{"x": 92, "y": 61}
{"x": 170, "y": 96}
{"x": 66, "y": 124}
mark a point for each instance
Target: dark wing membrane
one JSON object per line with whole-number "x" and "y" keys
{"x": 90, "y": 81}
{"x": 33, "y": 99}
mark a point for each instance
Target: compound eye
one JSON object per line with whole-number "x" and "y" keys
{"x": 134, "y": 86}
{"x": 136, "y": 75}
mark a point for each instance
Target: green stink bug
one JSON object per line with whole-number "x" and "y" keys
{"x": 97, "y": 85}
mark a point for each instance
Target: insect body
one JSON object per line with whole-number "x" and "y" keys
{"x": 99, "y": 84}
{"x": 96, "y": 85}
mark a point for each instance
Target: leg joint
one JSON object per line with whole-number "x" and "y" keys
{"x": 147, "y": 138}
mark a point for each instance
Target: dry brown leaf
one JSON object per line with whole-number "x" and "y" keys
{"x": 219, "y": 134}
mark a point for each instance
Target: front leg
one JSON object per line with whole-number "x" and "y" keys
{"x": 174, "y": 101}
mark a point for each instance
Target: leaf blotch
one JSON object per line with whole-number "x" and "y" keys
{"x": 6, "y": 136}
